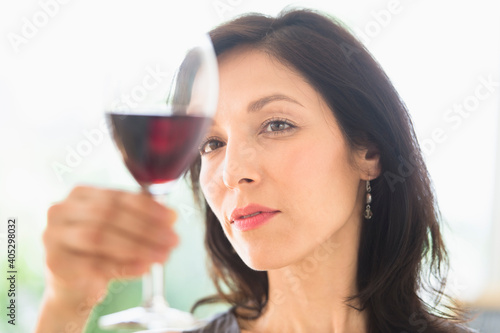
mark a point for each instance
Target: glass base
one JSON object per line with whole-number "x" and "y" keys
{"x": 140, "y": 318}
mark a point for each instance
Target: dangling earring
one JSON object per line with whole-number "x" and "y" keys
{"x": 368, "y": 211}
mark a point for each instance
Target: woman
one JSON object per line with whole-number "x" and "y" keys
{"x": 319, "y": 210}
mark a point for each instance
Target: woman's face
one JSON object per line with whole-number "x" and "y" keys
{"x": 276, "y": 143}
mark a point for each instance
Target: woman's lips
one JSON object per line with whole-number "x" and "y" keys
{"x": 252, "y": 221}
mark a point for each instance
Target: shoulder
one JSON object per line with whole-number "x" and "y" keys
{"x": 463, "y": 329}
{"x": 458, "y": 328}
{"x": 222, "y": 323}
{"x": 445, "y": 325}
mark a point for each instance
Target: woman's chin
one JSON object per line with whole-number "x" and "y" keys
{"x": 263, "y": 261}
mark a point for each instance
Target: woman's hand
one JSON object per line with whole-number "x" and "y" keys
{"x": 96, "y": 235}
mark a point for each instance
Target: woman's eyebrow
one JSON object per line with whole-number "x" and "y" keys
{"x": 261, "y": 102}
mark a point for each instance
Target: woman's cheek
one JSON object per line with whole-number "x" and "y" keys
{"x": 206, "y": 183}
{"x": 294, "y": 161}
{"x": 211, "y": 183}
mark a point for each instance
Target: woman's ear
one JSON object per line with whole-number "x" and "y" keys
{"x": 368, "y": 162}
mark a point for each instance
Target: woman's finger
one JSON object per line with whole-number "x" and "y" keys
{"x": 136, "y": 214}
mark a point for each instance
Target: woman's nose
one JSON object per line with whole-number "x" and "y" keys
{"x": 240, "y": 165}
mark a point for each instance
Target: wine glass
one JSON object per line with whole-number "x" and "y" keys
{"x": 159, "y": 104}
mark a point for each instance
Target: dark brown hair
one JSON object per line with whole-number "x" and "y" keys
{"x": 401, "y": 249}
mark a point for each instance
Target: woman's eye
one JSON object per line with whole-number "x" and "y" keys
{"x": 278, "y": 126}
{"x": 273, "y": 126}
{"x": 210, "y": 145}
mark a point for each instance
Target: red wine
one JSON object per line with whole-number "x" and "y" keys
{"x": 157, "y": 149}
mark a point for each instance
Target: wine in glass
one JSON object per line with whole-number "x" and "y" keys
{"x": 158, "y": 119}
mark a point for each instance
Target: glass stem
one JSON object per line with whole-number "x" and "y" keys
{"x": 153, "y": 290}
{"x": 153, "y": 283}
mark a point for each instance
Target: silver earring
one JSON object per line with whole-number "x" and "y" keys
{"x": 368, "y": 211}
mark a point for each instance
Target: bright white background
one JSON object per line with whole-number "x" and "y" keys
{"x": 437, "y": 53}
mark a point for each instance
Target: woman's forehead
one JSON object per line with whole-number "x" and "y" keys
{"x": 249, "y": 74}
{"x": 252, "y": 81}
{"x": 251, "y": 60}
